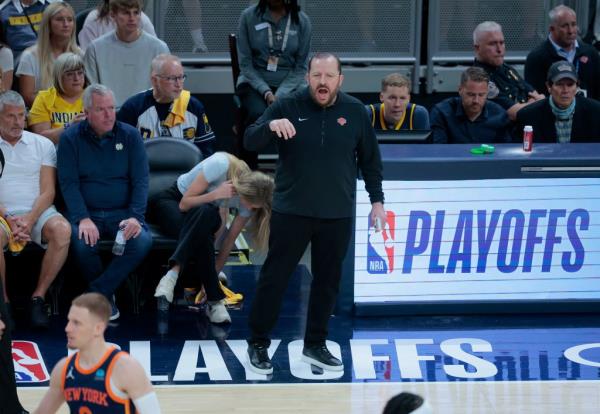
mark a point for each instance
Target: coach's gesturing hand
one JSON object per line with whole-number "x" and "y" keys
{"x": 283, "y": 128}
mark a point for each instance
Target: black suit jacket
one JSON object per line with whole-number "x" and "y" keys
{"x": 587, "y": 62}
{"x": 586, "y": 121}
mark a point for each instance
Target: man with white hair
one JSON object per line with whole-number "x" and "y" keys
{"x": 507, "y": 88}
{"x": 167, "y": 109}
{"x": 562, "y": 44}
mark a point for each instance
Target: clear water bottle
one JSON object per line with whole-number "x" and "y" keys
{"x": 119, "y": 245}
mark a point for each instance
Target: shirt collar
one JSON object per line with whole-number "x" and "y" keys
{"x": 17, "y": 4}
{"x": 560, "y": 50}
{"x": 25, "y": 139}
{"x": 460, "y": 112}
{"x": 89, "y": 131}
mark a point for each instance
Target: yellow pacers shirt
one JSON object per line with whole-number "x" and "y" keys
{"x": 49, "y": 106}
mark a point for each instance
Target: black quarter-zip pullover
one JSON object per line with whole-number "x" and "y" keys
{"x": 317, "y": 169}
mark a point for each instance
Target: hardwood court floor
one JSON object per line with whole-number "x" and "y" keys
{"x": 470, "y": 364}
{"x": 566, "y": 397}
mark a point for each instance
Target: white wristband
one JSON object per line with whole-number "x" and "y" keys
{"x": 147, "y": 404}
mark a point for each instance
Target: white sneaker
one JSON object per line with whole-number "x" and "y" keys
{"x": 217, "y": 312}
{"x": 166, "y": 286}
{"x": 223, "y": 278}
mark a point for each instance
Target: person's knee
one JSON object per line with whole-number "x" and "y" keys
{"x": 58, "y": 232}
{"x": 143, "y": 242}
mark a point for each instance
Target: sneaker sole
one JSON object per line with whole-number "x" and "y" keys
{"x": 257, "y": 370}
{"x": 319, "y": 364}
{"x": 115, "y": 316}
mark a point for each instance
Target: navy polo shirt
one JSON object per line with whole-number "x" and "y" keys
{"x": 450, "y": 124}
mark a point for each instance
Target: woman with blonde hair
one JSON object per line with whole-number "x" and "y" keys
{"x": 60, "y": 106}
{"x": 56, "y": 35}
{"x": 194, "y": 210}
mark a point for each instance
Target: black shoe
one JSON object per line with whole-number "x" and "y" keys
{"x": 322, "y": 358}
{"x": 39, "y": 313}
{"x": 162, "y": 304}
{"x": 258, "y": 356}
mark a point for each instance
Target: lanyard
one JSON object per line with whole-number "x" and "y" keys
{"x": 285, "y": 35}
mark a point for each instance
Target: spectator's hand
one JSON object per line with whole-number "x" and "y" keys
{"x": 78, "y": 118}
{"x": 20, "y": 230}
{"x": 535, "y": 96}
{"x": 88, "y": 232}
{"x": 224, "y": 191}
{"x": 26, "y": 223}
{"x": 131, "y": 228}
{"x": 378, "y": 212}
{"x": 269, "y": 98}
{"x": 283, "y": 128}
{"x": 2, "y": 327}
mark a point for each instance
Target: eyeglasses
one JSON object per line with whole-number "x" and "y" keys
{"x": 72, "y": 74}
{"x": 173, "y": 79}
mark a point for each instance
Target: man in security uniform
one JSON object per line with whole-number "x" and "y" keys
{"x": 507, "y": 88}
{"x": 167, "y": 109}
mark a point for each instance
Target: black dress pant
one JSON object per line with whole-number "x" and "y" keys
{"x": 9, "y": 401}
{"x": 195, "y": 231}
{"x": 288, "y": 240}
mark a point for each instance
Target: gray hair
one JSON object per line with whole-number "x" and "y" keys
{"x": 557, "y": 11}
{"x": 95, "y": 89}
{"x": 64, "y": 63}
{"x": 159, "y": 61}
{"x": 11, "y": 98}
{"x": 485, "y": 27}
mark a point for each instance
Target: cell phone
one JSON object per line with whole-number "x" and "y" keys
{"x": 378, "y": 226}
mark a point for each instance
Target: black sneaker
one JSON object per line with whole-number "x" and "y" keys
{"x": 114, "y": 311}
{"x": 322, "y": 358}
{"x": 39, "y": 313}
{"x": 258, "y": 356}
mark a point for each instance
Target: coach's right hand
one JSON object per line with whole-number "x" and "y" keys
{"x": 283, "y": 128}
{"x": 88, "y": 232}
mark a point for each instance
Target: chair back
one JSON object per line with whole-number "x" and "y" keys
{"x": 80, "y": 20}
{"x": 168, "y": 158}
{"x": 235, "y": 62}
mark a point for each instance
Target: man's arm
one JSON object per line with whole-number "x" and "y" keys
{"x": 91, "y": 64}
{"x": 68, "y": 178}
{"x": 129, "y": 376}
{"x": 439, "y": 134}
{"x": 260, "y": 133}
{"x": 369, "y": 160}
{"x": 138, "y": 176}
{"x": 44, "y": 200}
{"x": 54, "y": 397}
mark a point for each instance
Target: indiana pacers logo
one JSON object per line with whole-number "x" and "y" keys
{"x": 380, "y": 246}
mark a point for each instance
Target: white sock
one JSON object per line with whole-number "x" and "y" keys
{"x": 173, "y": 275}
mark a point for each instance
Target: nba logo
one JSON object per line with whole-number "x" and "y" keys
{"x": 380, "y": 246}
{"x": 28, "y": 362}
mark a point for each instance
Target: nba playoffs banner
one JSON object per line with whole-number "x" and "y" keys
{"x": 480, "y": 240}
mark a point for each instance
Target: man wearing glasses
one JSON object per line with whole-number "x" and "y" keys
{"x": 167, "y": 109}
{"x": 118, "y": 59}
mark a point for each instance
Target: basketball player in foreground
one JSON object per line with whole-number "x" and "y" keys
{"x": 98, "y": 378}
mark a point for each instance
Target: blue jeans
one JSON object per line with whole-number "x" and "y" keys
{"x": 106, "y": 281}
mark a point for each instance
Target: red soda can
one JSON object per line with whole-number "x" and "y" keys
{"x": 527, "y": 138}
